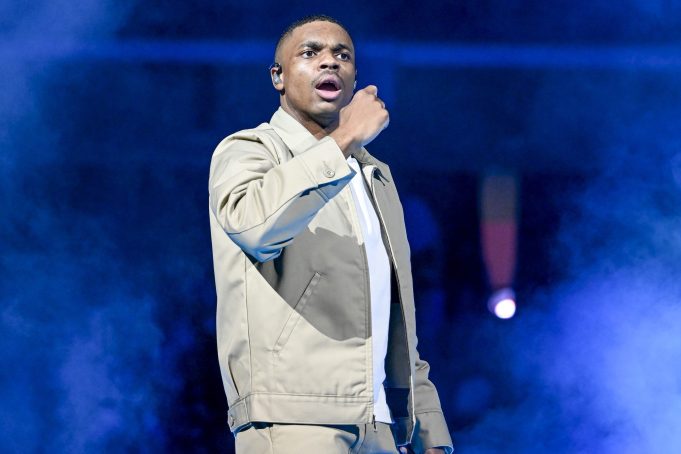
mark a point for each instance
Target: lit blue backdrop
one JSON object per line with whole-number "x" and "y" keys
{"x": 109, "y": 113}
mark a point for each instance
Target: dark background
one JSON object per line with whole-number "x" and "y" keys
{"x": 109, "y": 113}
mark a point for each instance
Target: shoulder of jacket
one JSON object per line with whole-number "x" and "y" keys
{"x": 263, "y": 134}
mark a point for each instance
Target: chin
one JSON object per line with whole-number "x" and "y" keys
{"x": 328, "y": 109}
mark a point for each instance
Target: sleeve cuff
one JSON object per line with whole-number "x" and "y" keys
{"x": 327, "y": 166}
{"x": 431, "y": 432}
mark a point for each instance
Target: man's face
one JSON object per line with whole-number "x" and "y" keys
{"x": 318, "y": 71}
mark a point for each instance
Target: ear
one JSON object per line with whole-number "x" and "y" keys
{"x": 277, "y": 78}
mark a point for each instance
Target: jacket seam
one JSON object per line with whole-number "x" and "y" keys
{"x": 248, "y": 323}
{"x": 358, "y": 399}
{"x": 428, "y": 411}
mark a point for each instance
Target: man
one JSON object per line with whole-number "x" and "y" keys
{"x": 315, "y": 319}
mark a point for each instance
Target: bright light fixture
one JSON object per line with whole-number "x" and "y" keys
{"x": 502, "y": 303}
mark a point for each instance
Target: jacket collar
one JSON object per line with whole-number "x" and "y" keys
{"x": 295, "y": 136}
{"x": 298, "y": 139}
{"x": 365, "y": 158}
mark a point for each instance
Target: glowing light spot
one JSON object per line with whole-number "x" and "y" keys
{"x": 505, "y": 308}
{"x": 502, "y": 303}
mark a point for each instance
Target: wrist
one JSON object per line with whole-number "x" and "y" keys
{"x": 344, "y": 142}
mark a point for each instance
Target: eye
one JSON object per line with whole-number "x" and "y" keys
{"x": 308, "y": 54}
{"x": 344, "y": 56}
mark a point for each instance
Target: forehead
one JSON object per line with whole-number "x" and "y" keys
{"x": 323, "y": 32}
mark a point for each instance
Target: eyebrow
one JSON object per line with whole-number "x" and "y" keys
{"x": 317, "y": 46}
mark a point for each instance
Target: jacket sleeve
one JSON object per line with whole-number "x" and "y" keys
{"x": 262, "y": 204}
{"x": 431, "y": 428}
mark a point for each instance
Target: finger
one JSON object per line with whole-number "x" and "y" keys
{"x": 371, "y": 89}
{"x": 380, "y": 102}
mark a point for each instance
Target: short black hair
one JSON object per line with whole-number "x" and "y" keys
{"x": 306, "y": 20}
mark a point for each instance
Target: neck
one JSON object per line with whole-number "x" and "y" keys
{"x": 318, "y": 127}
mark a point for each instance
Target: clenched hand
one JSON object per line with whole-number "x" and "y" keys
{"x": 361, "y": 121}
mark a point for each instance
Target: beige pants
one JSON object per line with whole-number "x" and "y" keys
{"x": 262, "y": 438}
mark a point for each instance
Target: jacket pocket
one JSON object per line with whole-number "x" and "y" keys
{"x": 294, "y": 317}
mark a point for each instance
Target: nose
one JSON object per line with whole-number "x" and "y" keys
{"x": 328, "y": 61}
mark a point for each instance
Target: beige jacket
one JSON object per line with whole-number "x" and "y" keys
{"x": 293, "y": 316}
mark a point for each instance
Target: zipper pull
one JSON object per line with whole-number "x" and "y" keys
{"x": 373, "y": 421}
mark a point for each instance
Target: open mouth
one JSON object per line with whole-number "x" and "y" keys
{"x": 329, "y": 85}
{"x": 328, "y": 88}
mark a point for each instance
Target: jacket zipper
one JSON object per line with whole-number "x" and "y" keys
{"x": 399, "y": 296}
{"x": 371, "y": 334}
{"x": 358, "y": 228}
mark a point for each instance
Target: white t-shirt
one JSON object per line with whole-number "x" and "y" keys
{"x": 379, "y": 282}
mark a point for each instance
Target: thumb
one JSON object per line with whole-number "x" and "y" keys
{"x": 371, "y": 89}
{"x": 403, "y": 450}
